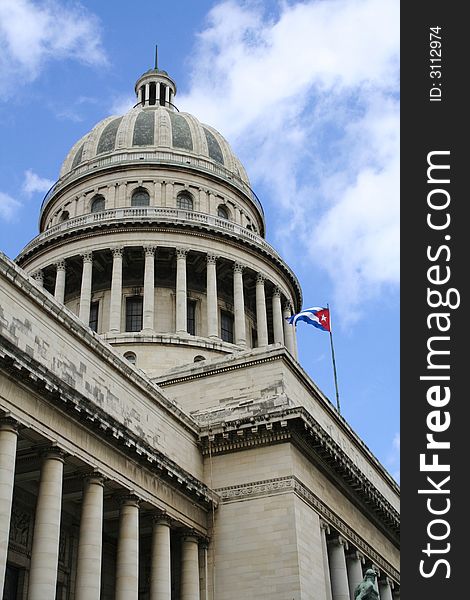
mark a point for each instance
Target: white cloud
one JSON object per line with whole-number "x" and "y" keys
{"x": 393, "y": 459}
{"x": 34, "y": 32}
{"x": 9, "y": 207}
{"x": 34, "y": 183}
{"x": 122, "y": 104}
{"x": 308, "y": 97}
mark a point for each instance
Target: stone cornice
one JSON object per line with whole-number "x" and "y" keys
{"x": 34, "y": 376}
{"x": 46, "y": 302}
{"x": 291, "y": 484}
{"x": 298, "y": 426}
{"x": 249, "y": 358}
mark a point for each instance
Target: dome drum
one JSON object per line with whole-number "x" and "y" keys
{"x": 150, "y": 300}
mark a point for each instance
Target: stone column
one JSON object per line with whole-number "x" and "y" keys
{"x": 45, "y": 550}
{"x": 85, "y": 293}
{"x": 38, "y": 277}
{"x": 385, "y": 588}
{"x": 354, "y": 562}
{"x": 147, "y": 93}
{"x": 181, "y": 292}
{"x": 324, "y": 529}
{"x": 277, "y": 317}
{"x": 239, "y": 305}
{"x": 190, "y": 568}
{"x": 90, "y": 542}
{"x": 59, "y": 291}
{"x": 116, "y": 292}
{"x": 294, "y": 335}
{"x": 8, "y": 442}
{"x": 149, "y": 289}
{"x": 127, "y": 557}
{"x": 288, "y": 329}
{"x": 160, "y": 568}
{"x": 212, "y": 306}
{"x": 338, "y": 571}
{"x": 261, "y": 317}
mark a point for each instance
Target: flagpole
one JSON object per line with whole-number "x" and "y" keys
{"x": 334, "y": 362}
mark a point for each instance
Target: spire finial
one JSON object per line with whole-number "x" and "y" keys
{"x": 156, "y": 57}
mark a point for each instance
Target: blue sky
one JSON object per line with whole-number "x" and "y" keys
{"x": 307, "y": 95}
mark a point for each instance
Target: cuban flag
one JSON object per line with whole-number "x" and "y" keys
{"x": 317, "y": 316}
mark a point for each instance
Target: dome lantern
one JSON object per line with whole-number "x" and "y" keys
{"x": 155, "y": 88}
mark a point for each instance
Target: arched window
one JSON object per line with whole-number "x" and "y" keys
{"x": 140, "y": 197}
{"x": 97, "y": 203}
{"x": 184, "y": 201}
{"x": 222, "y": 212}
{"x": 131, "y": 357}
{"x": 65, "y": 216}
{"x": 199, "y": 357}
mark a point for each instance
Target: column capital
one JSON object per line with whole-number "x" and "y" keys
{"x": 385, "y": 580}
{"x": 117, "y": 251}
{"x": 93, "y": 477}
{"x": 181, "y": 253}
{"x": 161, "y": 517}
{"x": 324, "y": 525}
{"x": 38, "y": 276}
{"x": 260, "y": 279}
{"x": 276, "y": 292}
{"x": 53, "y": 452}
{"x": 339, "y": 541}
{"x": 191, "y": 535}
{"x": 150, "y": 250}
{"x": 212, "y": 259}
{"x": 355, "y": 554}
{"x": 288, "y": 306}
{"x": 8, "y": 423}
{"x": 128, "y": 500}
{"x": 238, "y": 267}
{"x": 87, "y": 257}
{"x": 60, "y": 265}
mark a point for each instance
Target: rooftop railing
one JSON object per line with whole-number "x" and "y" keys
{"x": 156, "y": 215}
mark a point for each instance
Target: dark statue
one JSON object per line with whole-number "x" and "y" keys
{"x": 367, "y": 589}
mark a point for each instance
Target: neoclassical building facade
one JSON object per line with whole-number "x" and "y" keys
{"x": 158, "y": 438}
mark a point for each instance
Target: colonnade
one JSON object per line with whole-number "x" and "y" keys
{"x": 283, "y": 332}
{"x": 344, "y": 567}
{"x": 43, "y": 570}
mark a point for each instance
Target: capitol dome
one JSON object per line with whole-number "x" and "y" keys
{"x": 153, "y": 236}
{"x": 155, "y": 129}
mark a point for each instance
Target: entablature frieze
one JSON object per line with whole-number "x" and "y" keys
{"x": 298, "y": 426}
{"x": 330, "y": 521}
{"x": 34, "y": 376}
